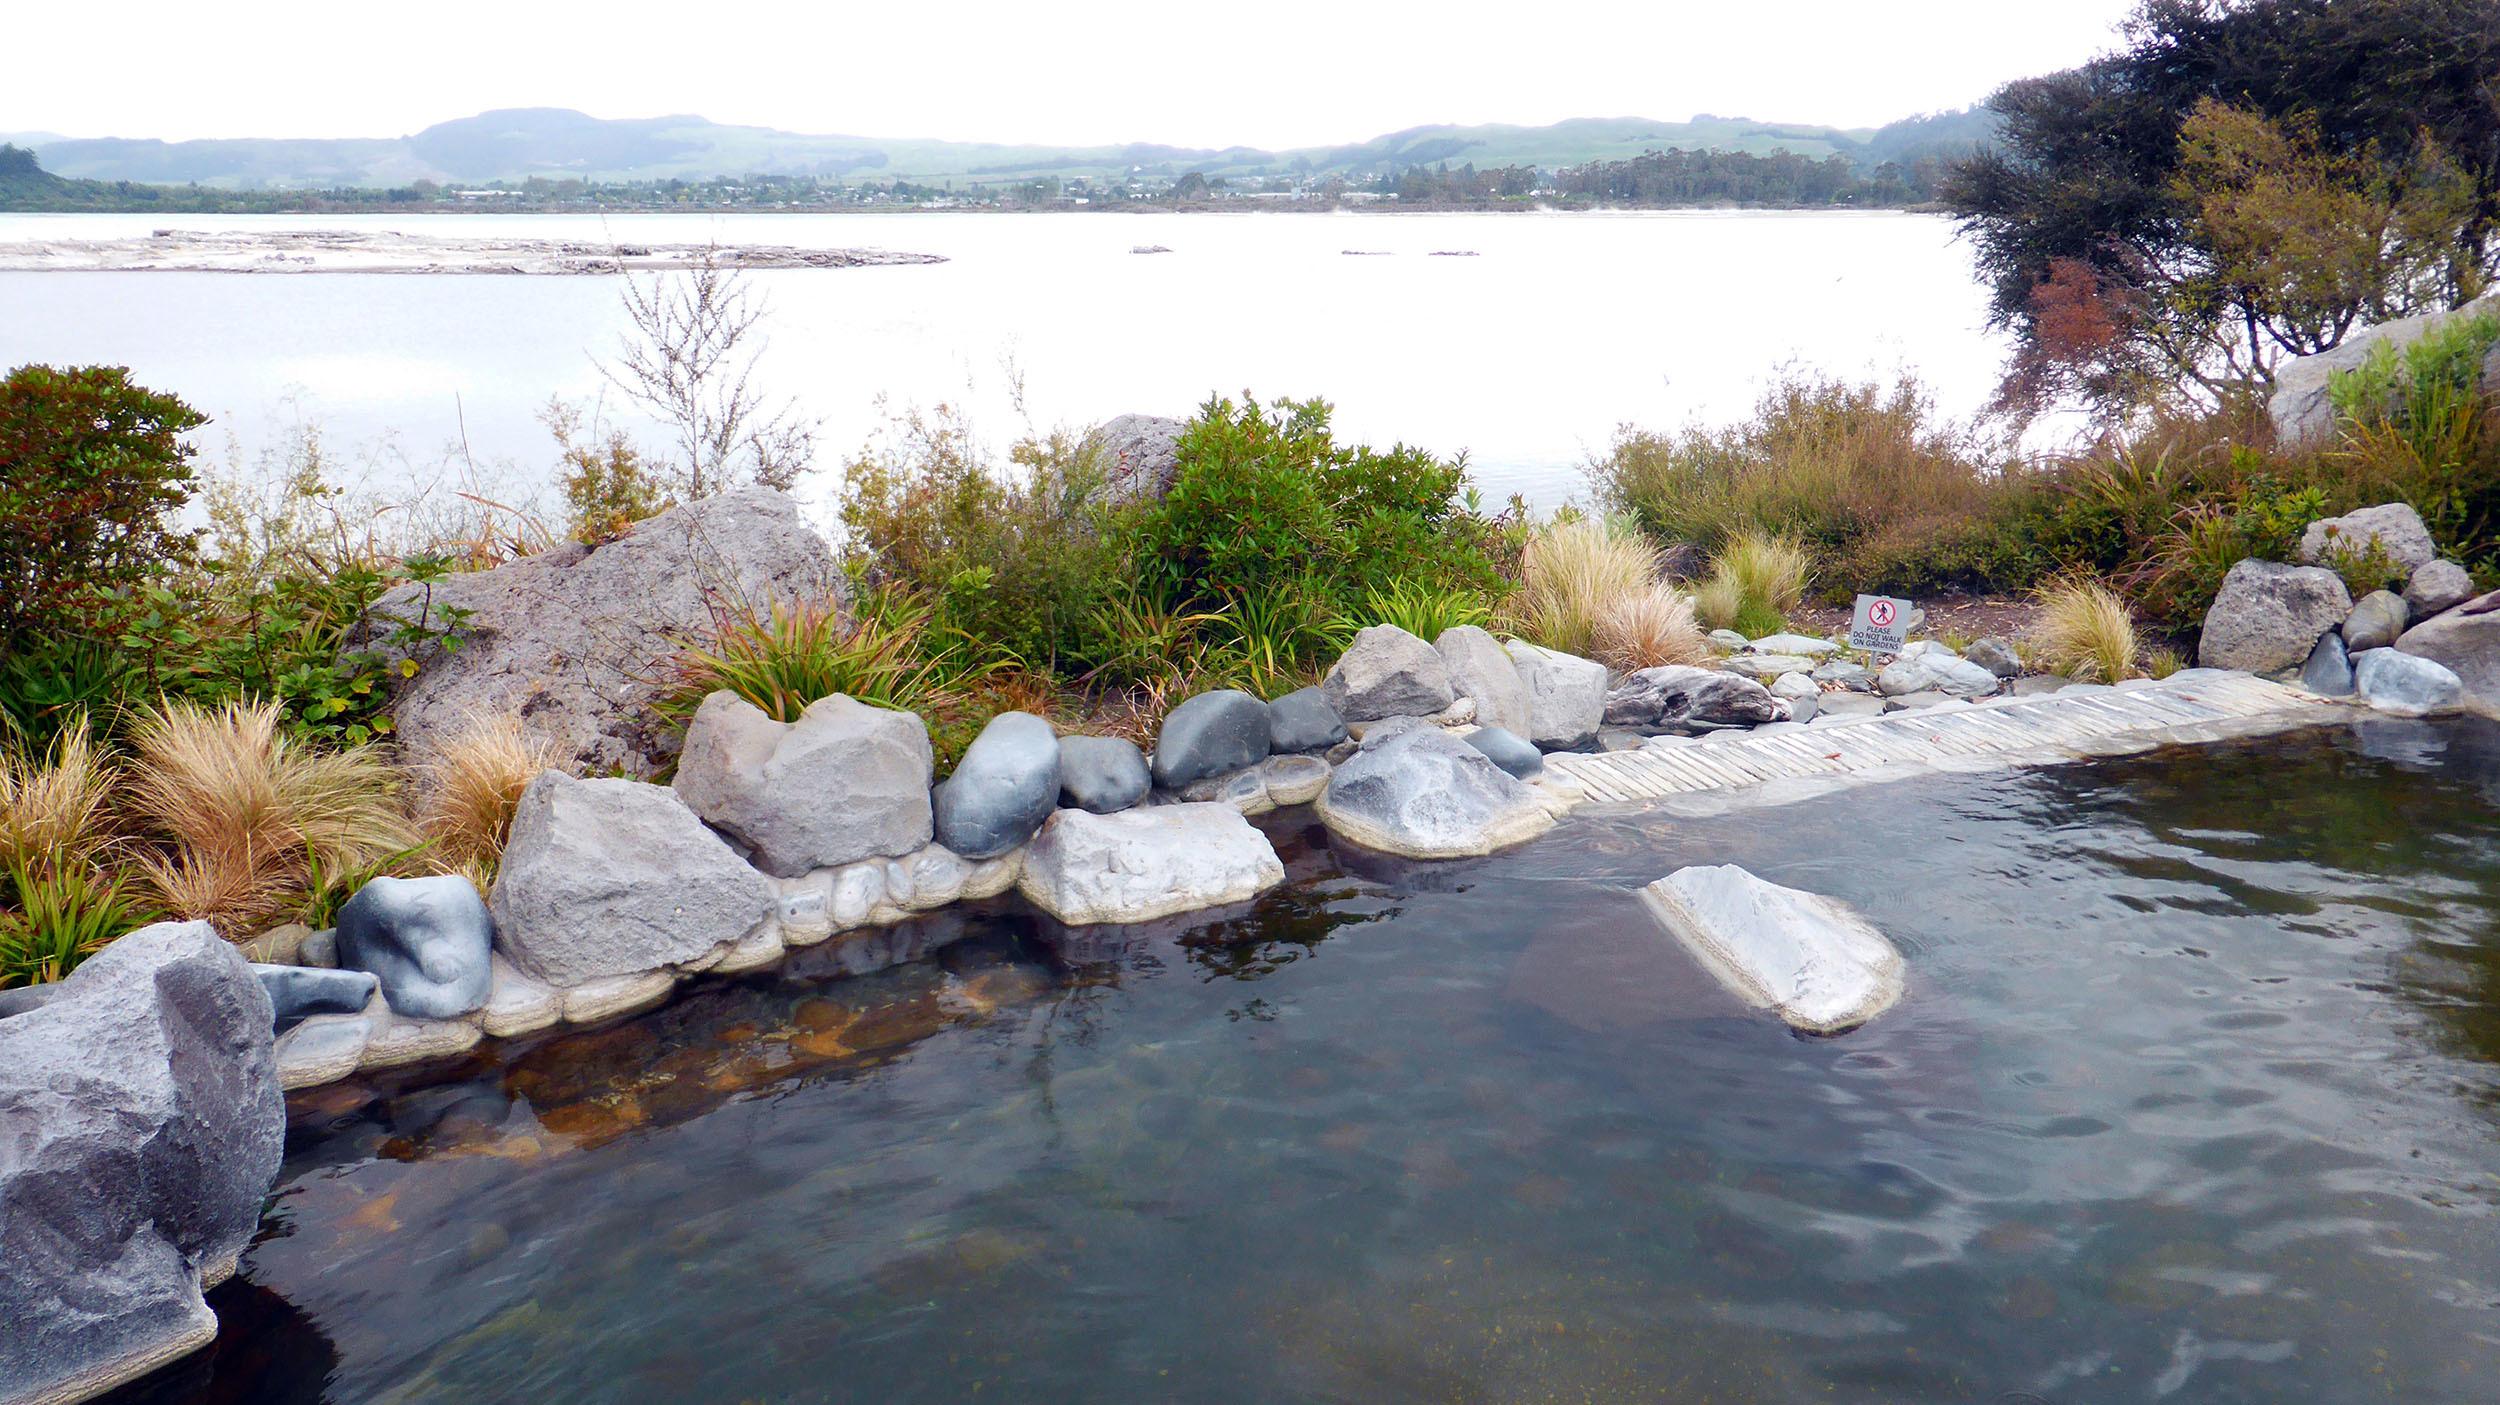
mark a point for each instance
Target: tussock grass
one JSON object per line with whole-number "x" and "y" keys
{"x": 2085, "y": 632}
{"x": 471, "y": 788}
{"x": 1574, "y": 574}
{"x": 1754, "y": 582}
{"x": 246, "y": 812}
{"x": 1649, "y": 628}
{"x": 53, "y": 810}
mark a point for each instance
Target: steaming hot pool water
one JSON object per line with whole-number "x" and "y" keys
{"x": 2195, "y": 1095}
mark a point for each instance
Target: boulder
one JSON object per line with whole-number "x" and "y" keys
{"x": 847, "y": 781}
{"x": 2466, "y": 641}
{"x": 1508, "y": 750}
{"x": 575, "y": 640}
{"x": 1139, "y": 865}
{"x": 2377, "y": 620}
{"x": 1998, "y": 656}
{"x": 427, "y": 940}
{"x": 2404, "y": 684}
{"x": 1566, "y": 696}
{"x": 1481, "y": 669}
{"x": 2395, "y": 527}
{"x": 1303, "y": 720}
{"x": 1137, "y": 455}
{"x": 609, "y": 878}
{"x": 1857, "y": 678}
{"x": 1936, "y": 671}
{"x": 297, "y": 993}
{"x": 1785, "y": 643}
{"x": 1006, "y": 785}
{"x": 2437, "y": 586}
{"x": 2267, "y": 617}
{"x": 1839, "y": 706}
{"x": 1294, "y": 780}
{"x": 1812, "y": 960}
{"x": 1762, "y": 668}
{"x": 1243, "y": 791}
{"x": 140, "y": 1127}
{"x": 1372, "y": 734}
{"x": 1427, "y": 795}
{"x": 2328, "y": 673}
{"x": 1728, "y": 640}
{"x": 1387, "y": 672}
{"x": 1217, "y": 732}
{"x": 1102, "y": 774}
{"x": 2303, "y": 406}
{"x": 1674, "y": 696}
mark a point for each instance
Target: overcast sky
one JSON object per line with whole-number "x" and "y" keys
{"x": 1270, "y": 73}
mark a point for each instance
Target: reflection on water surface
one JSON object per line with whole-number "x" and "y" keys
{"x": 2196, "y": 1096}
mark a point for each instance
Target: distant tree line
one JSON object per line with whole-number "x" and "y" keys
{"x": 1676, "y": 178}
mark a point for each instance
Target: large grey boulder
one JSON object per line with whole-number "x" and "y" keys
{"x": 1139, "y": 865}
{"x": 847, "y": 781}
{"x": 616, "y": 878}
{"x": 1303, "y": 720}
{"x": 1762, "y": 668}
{"x": 1566, "y": 696}
{"x": 1137, "y": 455}
{"x": 1480, "y": 668}
{"x": 2303, "y": 406}
{"x": 2267, "y": 617}
{"x": 2466, "y": 641}
{"x": 2377, "y": 620}
{"x": 1813, "y": 961}
{"x": 575, "y": 640}
{"x": 1795, "y": 644}
{"x": 1998, "y": 656}
{"x": 1211, "y": 734}
{"x": 427, "y": 940}
{"x": 1103, "y": 775}
{"x": 1675, "y": 697}
{"x": 1006, "y": 785}
{"x": 2437, "y": 586}
{"x": 140, "y": 1127}
{"x": 2404, "y": 684}
{"x": 2394, "y": 528}
{"x": 1387, "y": 672}
{"x": 1936, "y": 671}
{"x": 1424, "y": 794}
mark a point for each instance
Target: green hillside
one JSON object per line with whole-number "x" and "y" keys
{"x": 520, "y": 143}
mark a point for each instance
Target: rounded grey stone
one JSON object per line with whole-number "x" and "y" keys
{"x": 1387, "y": 672}
{"x": 1508, "y": 750}
{"x": 1303, "y": 720}
{"x": 2437, "y": 586}
{"x": 425, "y": 939}
{"x": 1211, "y": 734}
{"x": 2377, "y": 620}
{"x": 1102, "y": 775}
{"x": 1007, "y": 784}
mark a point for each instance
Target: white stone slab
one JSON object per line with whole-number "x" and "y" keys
{"x": 1809, "y": 959}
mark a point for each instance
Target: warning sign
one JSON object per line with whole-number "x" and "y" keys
{"x": 1881, "y": 625}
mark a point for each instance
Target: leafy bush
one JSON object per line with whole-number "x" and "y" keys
{"x": 793, "y": 656}
{"x": 92, "y": 469}
{"x": 607, "y": 485}
{"x": 1421, "y": 610}
{"x": 60, "y": 915}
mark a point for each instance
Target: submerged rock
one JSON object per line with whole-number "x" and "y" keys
{"x": 572, "y": 640}
{"x": 1212, "y": 734}
{"x": 1481, "y": 669}
{"x": 140, "y": 1127}
{"x": 1303, "y": 720}
{"x": 1427, "y": 795}
{"x": 1810, "y": 959}
{"x": 1387, "y": 672}
{"x": 427, "y": 940}
{"x": 847, "y": 781}
{"x": 1678, "y": 696}
{"x": 2404, "y": 684}
{"x": 614, "y": 878}
{"x": 1006, "y": 785}
{"x": 1566, "y": 696}
{"x": 2267, "y": 617}
{"x": 1139, "y": 865}
{"x": 1102, "y": 774}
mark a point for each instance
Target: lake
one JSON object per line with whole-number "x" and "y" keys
{"x": 1526, "y": 355}
{"x": 2194, "y": 1096}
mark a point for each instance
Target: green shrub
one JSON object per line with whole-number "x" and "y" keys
{"x": 791, "y": 657}
{"x": 1754, "y": 581}
{"x": 92, "y": 471}
{"x": 1420, "y": 609}
{"x": 58, "y": 916}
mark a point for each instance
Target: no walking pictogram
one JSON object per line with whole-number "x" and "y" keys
{"x": 1881, "y": 625}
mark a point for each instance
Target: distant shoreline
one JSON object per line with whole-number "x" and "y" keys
{"x": 303, "y": 251}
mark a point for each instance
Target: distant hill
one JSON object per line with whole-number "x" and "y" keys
{"x": 518, "y": 143}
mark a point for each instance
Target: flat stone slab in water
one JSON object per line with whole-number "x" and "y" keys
{"x": 1809, "y": 959}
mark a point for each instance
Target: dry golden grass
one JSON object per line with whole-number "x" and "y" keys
{"x": 1650, "y": 628}
{"x": 1576, "y": 573}
{"x": 54, "y": 809}
{"x": 2085, "y": 632}
{"x": 1755, "y": 580}
{"x": 245, "y": 812}
{"x": 471, "y": 788}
